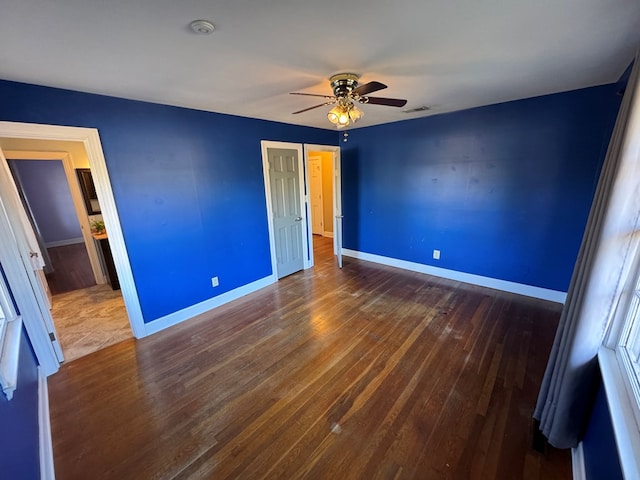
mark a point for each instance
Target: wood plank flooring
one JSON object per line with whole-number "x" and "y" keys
{"x": 363, "y": 373}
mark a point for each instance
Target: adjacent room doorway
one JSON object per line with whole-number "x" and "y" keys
{"x": 22, "y": 277}
{"x": 289, "y": 204}
{"x": 331, "y": 181}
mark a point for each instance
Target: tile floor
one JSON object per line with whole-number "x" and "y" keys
{"x": 89, "y": 320}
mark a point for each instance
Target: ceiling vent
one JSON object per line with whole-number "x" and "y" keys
{"x": 417, "y": 109}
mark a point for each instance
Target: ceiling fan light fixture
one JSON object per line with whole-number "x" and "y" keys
{"x": 346, "y": 93}
{"x": 344, "y": 113}
{"x": 355, "y": 114}
{"x": 334, "y": 114}
{"x": 343, "y": 118}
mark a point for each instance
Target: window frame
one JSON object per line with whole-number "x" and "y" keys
{"x": 620, "y": 376}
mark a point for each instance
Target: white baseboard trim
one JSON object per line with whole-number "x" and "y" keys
{"x": 62, "y": 243}
{"x": 512, "y": 287}
{"x": 202, "y": 307}
{"x": 44, "y": 426}
{"x": 577, "y": 463}
{"x": 327, "y": 234}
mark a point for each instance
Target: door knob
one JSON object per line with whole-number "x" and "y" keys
{"x": 298, "y": 219}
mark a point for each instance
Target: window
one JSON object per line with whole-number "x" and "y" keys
{"x": 620, "y": 366}
{"x": 629, "y": 343}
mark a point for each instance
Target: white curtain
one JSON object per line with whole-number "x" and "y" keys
{"x": 567, "y": 390}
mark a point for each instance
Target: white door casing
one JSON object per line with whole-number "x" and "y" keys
{"x": 316, "y": 195}
{"x": 90, "y": 139}
{"x": 337, "y": 227}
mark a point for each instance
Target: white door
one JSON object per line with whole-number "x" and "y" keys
{"x": 26, "y": 247}
{"x": 315, "y": 195}
{"x": 284, "y": 181}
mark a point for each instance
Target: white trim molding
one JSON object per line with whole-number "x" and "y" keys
{"x": 512, "y": 287}
{"x": 577, "y": 463}
{"x": 44, "y": 427}
{"x": 203, "y": 307}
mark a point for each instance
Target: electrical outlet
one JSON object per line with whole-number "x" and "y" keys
{"x": 436, "y": 254}
{"x": 214, "y": 281}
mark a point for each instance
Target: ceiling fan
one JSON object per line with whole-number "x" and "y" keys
{"x": 346, "y": 93}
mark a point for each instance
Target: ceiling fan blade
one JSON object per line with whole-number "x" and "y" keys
{"x": 312, "y": 95}
{"x": 311, "y": 108}
{"x": 369, "y": 88}
{"x": 390, "y": 102}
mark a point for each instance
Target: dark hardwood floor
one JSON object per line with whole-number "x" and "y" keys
{"x": 361, "y": 373}
{"x": 71, "y": 269}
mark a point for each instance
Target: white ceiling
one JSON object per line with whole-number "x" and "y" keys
{"x": 448, "y": 55}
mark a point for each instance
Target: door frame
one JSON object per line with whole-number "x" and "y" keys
{"x": 265, "y": 145}
{"x": 90, "y": 138}
{"x": 76, "y": 196}
{"x": 337, "y": 193}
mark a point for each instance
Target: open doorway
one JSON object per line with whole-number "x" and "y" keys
{"x": 88, "y": 313}
{"x": 320, "y": 195}
{"x": 22, "y": 268}
{"x": 91, "y": 311}
{"x": 323, "y": 187}
{"x": 289, "y": 214}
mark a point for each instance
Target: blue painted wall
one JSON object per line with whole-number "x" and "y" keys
{"x": 188, "y": 186}
{"x": 19, "y": 444}
{"x": 600, "y": 452}
{"x": 47, "y": 190}
{"x": 503, "y": 191}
